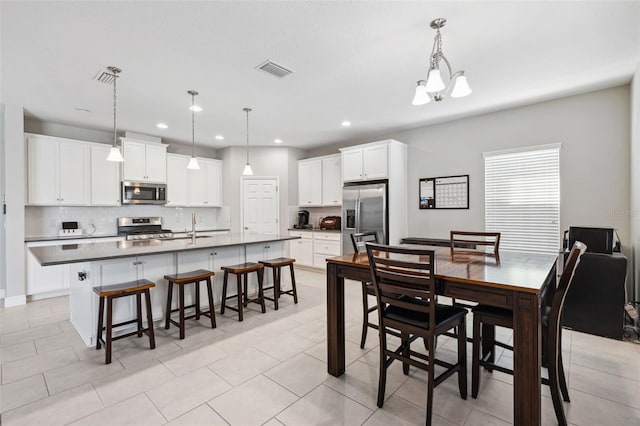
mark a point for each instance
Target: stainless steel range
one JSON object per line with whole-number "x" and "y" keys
{"x": 143, "y": 228}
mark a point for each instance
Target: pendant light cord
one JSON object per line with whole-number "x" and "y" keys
{"x": 247, "y": 110}
{"x": 115, "y": 137}
{"x": 193, "y": 132}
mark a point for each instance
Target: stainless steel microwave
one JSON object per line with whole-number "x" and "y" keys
{"x": 144, "y": 193}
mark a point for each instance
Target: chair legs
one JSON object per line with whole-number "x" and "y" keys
{"x": 365, "y": 314}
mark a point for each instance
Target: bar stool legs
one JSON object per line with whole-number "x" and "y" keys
{"x": 194, "y": 277}
{"x": 276, "y": 265}
{"x": 242, "y": 271}
{"x": 107, "y": 294}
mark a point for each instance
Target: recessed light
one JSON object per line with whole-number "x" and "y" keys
{"x": 162, "y": 126}
{"x": 195, "y": 108}
{"x": 346, "y": 123}
{"x": 219, "y": 137}
{"x": 81, "y": 110}
{"x": 277, "y": 141}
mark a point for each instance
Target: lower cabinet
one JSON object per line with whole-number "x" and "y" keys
{"x": 265, "y": 251}
{"x": 325, "y": 244}
{"x": 314, "y": 247}
{"x": 302, "y": 250}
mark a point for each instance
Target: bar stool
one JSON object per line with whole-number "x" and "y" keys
{"x": 243, "y": 270}
{"x": 110, "y": 292}
{"x": 277, "y": 265}
{"x": 185, "y": 278}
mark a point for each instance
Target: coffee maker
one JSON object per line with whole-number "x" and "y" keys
{"x": 303, "y": 220}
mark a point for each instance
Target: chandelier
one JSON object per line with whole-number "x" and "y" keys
{"x": 434, "y": 88}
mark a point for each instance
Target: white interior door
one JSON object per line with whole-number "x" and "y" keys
{"x": 260, "y": 205}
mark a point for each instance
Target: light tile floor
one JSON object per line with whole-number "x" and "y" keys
{"x": 271, "y": 369}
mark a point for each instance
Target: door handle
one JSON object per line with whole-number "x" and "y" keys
{"x": 246, "y": 228}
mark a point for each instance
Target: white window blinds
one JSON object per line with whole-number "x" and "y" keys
{"x": 522, "y": 198}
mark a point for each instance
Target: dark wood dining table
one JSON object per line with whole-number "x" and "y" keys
{"x": 517, "y": 281}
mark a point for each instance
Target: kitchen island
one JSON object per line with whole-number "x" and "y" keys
{"x": 104, "y": 263}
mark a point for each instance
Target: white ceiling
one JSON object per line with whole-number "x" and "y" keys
{"x": 357, "y": 61}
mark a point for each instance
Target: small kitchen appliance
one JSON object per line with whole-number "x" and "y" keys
{"x": 303, "y": 220}
{"x": 143, "y": 228}
{"x": 331, "y": 223}
{"x": 70, "y": 229}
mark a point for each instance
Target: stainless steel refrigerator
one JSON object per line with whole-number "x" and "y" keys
{"x": 364, "y": 208}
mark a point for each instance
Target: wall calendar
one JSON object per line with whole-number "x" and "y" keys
{"x": 446, "y": 192}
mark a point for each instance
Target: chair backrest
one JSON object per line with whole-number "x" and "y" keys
{"x": 359, "y": 239}
{"x": 408, "y": 272}
{"x": 561, "y": 290}
{"x": 468, "y": 242}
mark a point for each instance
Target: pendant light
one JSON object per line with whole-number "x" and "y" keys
{"x": 193, "y": 162}
{"x": 247, "y": 167}
{"x": 114, "y": 153}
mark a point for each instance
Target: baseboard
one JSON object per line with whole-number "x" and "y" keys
{"x": 15, "y": 301}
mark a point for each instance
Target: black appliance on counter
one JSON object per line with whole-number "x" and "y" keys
{"x": 303, "y": 220}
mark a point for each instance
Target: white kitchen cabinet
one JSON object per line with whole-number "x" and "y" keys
{"x": 310, "y": 182}
{"x": 205, "y": 184}
{"x": 177, "y": 180}
{"x": 144, "y": 161}
{"x": 105, "y": 177}
{"x": 302, "y": 250}
{"x": 366, "y": 162}
{"x": 325, "y": 244}
{"x": 44, "y": 279}
{"x": 332, "y": 181}
{"x": 58, "y": 171}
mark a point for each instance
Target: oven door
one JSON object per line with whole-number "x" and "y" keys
{"x": 143, "y": 193}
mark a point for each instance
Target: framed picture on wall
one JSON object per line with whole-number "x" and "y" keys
{"x": 445, "y": 192}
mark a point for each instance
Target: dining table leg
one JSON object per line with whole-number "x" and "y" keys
{"x": 335, "y": 321}
{"x": 527, "y": 359}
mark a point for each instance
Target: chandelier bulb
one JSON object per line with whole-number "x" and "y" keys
{"x": 421, "y": 96}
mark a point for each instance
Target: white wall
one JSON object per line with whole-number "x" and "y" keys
{"x": 3, "y": 224}
{"x": 15, "y": 177}
{"x": 594, "y": 131}
{"x": 634, "y": 293}
{"x": 278, "y": 162}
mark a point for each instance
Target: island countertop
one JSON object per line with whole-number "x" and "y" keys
{"x": 74, "y": 253}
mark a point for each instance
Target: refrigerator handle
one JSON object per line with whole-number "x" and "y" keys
{"x": 385, "y": 232}
{"x": 358, "y": 215}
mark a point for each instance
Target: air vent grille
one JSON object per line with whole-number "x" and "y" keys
{"x": 274, "y": 69}
{"x": 104, "y": 76}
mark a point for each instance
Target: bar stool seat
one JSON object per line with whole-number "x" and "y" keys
{"x": 182, "y": 279}
{"x": 243, "y": 270}
{"x": 110, "y": 292}
{"x": 277, "y": 264}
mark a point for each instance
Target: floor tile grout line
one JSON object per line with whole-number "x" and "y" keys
{"x": 602, "y": 371}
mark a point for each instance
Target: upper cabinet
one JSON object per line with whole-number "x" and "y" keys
{"x": 105, "y": 177}
{"x": 365, "y": 162}
{"x": 177, "y": 180}
{"x": 331, "y": 181}
{"x": 58, "y": 171}
{"x": 197, "y": 188}
{"x": 310, "y": 182}
{"x": 144, "y": 161}
{"x": 205, "y": 184}
{"x": 319, "y": 181}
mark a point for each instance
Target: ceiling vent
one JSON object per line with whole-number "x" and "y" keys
{"x": 274, "y": 69}
{"x": 104, "y": 76}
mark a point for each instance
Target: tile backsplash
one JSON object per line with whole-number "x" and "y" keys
{"x": 47, "y": 221}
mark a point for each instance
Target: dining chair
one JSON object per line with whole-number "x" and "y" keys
{"x": 474, "y": 243}
{"x": 485, "y": 318}
{"x": 404, "y": 283}
{"x": 359, "y": 240}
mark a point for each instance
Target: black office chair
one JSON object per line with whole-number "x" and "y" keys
{"x": 551, "y": 337}
{"x": 404, "y": 284}
{"x": 359, "y": 240}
